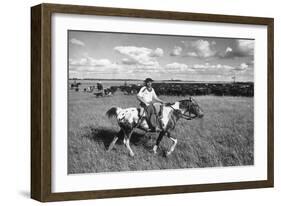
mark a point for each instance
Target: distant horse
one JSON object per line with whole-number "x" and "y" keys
{"x": 75, "y": 85}
{"x": 129, "y": 119}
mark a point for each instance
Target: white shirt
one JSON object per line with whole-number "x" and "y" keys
{"x": 147, "y": 96}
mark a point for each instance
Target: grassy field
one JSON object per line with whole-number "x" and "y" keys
{"x": 225, "y": 136}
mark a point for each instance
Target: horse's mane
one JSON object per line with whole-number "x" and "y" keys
{"x": 169, "y": 104}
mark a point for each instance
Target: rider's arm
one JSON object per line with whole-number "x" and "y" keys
{"x": 155, "y": 97}
{"x": 140, "y": 96}
{"x": 141, "y": 99}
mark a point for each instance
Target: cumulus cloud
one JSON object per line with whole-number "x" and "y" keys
{"x": 177, "y": 67}
{"x": 241, "y": 48}
{"x": 192, "y": 54}
{"x": 213, "y": 69}
{"x": 221, "y": 69}
{"x": 201, "y": 48}
{"x": 207, "y": 66}
{"x": 89, "y": 64}
{"x": 176, "y": 51}
{"x": 242, "y": 67}
{"x": 78, "y": 62}
{"x": 100, "y": 62}
{"x": 246, "y": 46}
{"x": 157, "y": 52}
{"x": 89, "y": 61}
{"x": 127, "y": 61}
{"x": 140, "y": 56}
{"x": 77, "y": 42}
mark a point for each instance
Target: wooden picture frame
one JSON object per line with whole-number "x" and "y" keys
{"x": 41, "y": 101}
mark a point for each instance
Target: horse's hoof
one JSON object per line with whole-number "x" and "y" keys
{"x": 132, "y": 154}
{"x": 155, "y": 149}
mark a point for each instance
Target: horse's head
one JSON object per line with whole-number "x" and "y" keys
{"x": 190, "y": 108}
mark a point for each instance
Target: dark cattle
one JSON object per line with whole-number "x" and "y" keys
{"x": 192, "y": 89}
{"x": 108, "y": 92}
{"x": 130, "y": 89}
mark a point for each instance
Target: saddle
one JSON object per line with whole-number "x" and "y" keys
{"x": 158, "y": 109}
{"x": 158, "y": 112}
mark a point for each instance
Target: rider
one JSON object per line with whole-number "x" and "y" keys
{"x": 147, "y": 96}
{"x": 99, "y": 86}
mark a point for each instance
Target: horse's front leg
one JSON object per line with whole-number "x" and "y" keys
{"x": 126, "y": 141}
{"x": 115, "y": 140}
{"x": 174, "y": 143}
{"x": 160, "y": 137}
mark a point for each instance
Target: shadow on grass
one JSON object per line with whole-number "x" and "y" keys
{"x": 105, "y": 135}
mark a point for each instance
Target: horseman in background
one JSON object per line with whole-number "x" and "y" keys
{"x": 147, "y": 97}
{"x": 99, "y": 86}
{"x": 100, "y": 89}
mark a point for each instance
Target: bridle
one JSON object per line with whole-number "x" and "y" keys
{"x": 188, "y": 116}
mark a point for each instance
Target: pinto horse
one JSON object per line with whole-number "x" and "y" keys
{"x": 128, "y": 119}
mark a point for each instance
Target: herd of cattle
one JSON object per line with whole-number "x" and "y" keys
{"x": 193, "y": 89}
{"x": 182, "y": 89}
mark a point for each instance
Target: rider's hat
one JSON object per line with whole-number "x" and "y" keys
{"x": 148, "y": 80}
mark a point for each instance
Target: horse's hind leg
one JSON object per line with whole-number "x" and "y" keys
{"x": 174, "y": 144}
{"x": 127, "y": 142}
{"x": 115, "y": 140}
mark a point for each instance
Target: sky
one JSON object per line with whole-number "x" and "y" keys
{"x": 102, "y": 55}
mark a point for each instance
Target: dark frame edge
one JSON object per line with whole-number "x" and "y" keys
{"x": 270, "y": 102}
{"x": 101, "y": 194}
{"x": 40, "y": 103}
{"x": 157, "y": 14}
{"x": 36, "y": 138}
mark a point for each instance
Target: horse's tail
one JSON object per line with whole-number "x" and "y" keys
{"x": 112, "y": 112}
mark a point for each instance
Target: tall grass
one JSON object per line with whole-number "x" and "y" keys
{"x": 224, "y": 137}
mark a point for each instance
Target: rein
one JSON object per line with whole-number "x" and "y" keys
{"x": 185, "y": 116}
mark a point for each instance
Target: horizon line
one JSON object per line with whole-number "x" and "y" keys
{"x": 156, "y": 80}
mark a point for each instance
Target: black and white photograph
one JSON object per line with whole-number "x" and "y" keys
{"x": 139, "y": 102}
